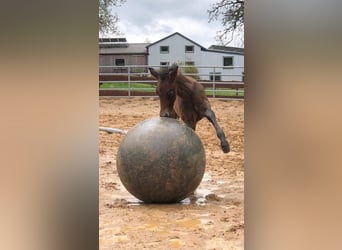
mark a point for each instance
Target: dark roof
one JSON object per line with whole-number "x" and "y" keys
{"x": 130, "y": 48}
{"x": 212, "y": 48}
{"x": 227, "y": 49}
{"x": 176, "y": 33}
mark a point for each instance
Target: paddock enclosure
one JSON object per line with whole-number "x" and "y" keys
{"x": 211, "y": 218}
{"x": 134, "y": 80}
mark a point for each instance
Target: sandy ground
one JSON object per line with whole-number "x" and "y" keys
{"x": 211, "y": 219}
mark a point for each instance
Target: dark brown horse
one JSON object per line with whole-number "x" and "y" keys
{"x": 183, "y": 97}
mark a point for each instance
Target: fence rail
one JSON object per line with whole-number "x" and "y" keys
{"x": 135, "y": 80}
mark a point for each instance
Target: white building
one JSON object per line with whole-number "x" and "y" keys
{"x": 228, "y": 61}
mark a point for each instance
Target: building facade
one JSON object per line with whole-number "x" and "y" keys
{"x": 219, "y": 62}
{"x": 116, "y": 52}
{"x": 216, "y": 62}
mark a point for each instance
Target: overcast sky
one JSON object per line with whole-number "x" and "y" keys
{"x": 142, "y": 20}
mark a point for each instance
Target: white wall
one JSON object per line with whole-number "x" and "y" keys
{"x": 177, "y": 53}
{"x": 216, "y": 59}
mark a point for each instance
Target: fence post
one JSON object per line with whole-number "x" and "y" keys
{"x": 214, "y": 79}
{"x": 129, "y": 80}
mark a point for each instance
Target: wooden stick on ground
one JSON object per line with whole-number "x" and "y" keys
{"x": 113, "y": 130}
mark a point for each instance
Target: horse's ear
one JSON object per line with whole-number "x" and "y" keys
{"x": 173, "y": 70}
{"x": 154, "y": 72}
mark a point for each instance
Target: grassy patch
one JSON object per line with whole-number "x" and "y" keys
{"x": 224, "y": 92}
{"x": 124, "y": 85}
{"x": 150, "y": 88}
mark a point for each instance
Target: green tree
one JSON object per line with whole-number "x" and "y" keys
{"x": 107, "y": 20}
{"x": 231, "y": 14}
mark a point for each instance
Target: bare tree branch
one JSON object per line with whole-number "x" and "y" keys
{"x": 231, "y": 14}
{"x": 107, "y": 20}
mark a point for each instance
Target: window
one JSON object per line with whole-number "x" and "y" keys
{"x": 164, "y": 63}
{"x": 120, "y": 62}
{"x": 189, "y": 63}
{"x": 164, "y": 49}
{"x": 217, "y": 76}
{"x": 228, "y": 61}
{"x": 189, "y": 49}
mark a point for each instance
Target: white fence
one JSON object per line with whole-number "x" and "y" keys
{"x": 217, "y": 80}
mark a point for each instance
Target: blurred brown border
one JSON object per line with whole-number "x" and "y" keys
{"x": 293, "y": 121}
{"x": 49, "y": 128}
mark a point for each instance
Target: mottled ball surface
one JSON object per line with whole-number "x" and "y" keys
{"x": 161, "y": 160}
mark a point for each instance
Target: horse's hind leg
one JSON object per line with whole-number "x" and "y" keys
{"x": 219, "y": 132}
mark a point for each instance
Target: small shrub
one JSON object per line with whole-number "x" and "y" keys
{"x": 190, "y": 70}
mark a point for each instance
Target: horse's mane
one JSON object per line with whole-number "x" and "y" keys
{"x": 187, "y": 87}
{"x": 163, "y": 72}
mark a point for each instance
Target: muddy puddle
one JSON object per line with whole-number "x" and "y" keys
{"x": 205, "y": 192}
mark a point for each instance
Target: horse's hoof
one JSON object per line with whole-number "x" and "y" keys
{"x": 225, "y": 147}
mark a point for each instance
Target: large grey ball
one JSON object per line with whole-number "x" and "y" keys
{"x": 161, "y": 160}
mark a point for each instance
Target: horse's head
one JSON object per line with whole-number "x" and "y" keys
{"x": 166, "y": 89}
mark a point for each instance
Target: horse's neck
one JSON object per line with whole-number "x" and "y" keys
{"x": 183, "y": 84}
{"x": 192, "y": 100}
{"x": 190, "y": 90}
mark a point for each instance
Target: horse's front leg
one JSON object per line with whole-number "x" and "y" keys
{"x": 219, "y": 132}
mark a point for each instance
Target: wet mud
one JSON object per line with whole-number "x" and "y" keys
{"x": 211, "y": 218}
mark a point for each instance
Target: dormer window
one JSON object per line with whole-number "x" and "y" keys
{"x": 189, "y": 49}
{"x": 164, "y": 49}
{"x": 228, "y": 61}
